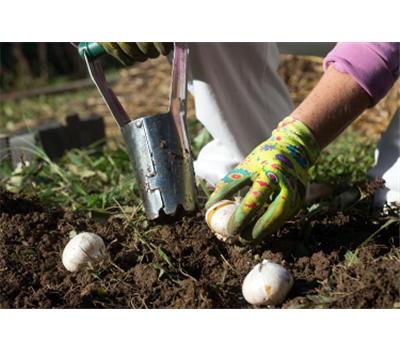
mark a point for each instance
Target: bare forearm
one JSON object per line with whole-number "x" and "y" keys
{"x": 333, "y": 104}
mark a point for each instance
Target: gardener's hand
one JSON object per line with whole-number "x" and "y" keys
{"x": 277, "y": 170}
{"x": 129, "y": 53}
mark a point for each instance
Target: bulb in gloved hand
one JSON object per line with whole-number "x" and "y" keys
{"x": 217, "y": 217}
{"x": 83, "y": 252}
{"x": 267, "y": 284}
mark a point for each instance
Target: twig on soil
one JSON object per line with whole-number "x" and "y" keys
{"x": 344, "y": 295}
{"x": 222, "y": 299}
{"x": 134, "y": 213}
{"x": 123, "y": 282}
{"x": 116, "y": 266}
{"x": 143, "y": 303}
{"x": 185, "y": 274}
{"x": 394, "y": 248}
{"x": 72, "y": 288}
{"x": 153, "y": 245}
{"x": 347, "y": 294}
{"x": 114, "y": 241}
{"x": 108, "y": 229}
{"x": 127, "y": 275}
{"x": 106, "y": 305}
{"x": 122, "y": 209}
{"x": 202, "y": 298}
{"x": 223, "y": 258}
{"x": 397, "y": 259}
{"x": 173, "y": 305}
{"x": 227, "y": 262}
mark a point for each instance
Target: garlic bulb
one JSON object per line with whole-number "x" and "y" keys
{"x": 217, "y": 218}
{"x": 267, "y": 284}
{"x": 83, "y": 252}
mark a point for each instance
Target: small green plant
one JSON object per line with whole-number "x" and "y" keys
{"x": 345, "y": 160}
{"x": 199, "y": 136}
{"x": 24, "y": 254}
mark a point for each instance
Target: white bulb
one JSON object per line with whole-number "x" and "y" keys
{"x": 217, "y": 217}
{"x": 83, "y": 252}
{"x": 267, "y": 284}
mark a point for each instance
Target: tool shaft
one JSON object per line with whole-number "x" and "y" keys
{"x": 178, "y": 97}
{"x": 111, "y": 100}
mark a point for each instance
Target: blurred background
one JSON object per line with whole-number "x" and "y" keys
{"x": 42, "y": 82}
{"x": 47, "y": 81}
{"x": 30, "y": 65}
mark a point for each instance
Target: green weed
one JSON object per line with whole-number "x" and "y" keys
{"x": 28, "y": 254}
{"x": 82, "y": 180}
{"x": 345, "y": 160}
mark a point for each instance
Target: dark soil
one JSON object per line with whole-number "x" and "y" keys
{"x": 206, "y": 273}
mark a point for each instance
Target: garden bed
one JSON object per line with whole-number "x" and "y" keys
{"x": 183, "y": 265}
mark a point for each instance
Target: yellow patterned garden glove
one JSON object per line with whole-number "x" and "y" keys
{"x": 129, "y": 53}
{"x": 277, "y": 170}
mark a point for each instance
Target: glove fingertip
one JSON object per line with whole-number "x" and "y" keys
{"x": 115, "y": 50}
{"x": 164, "y": 48}
{"x": 148, "y": 49}
{"x": 212, "y": 200}
{"x": 242, "y": 249}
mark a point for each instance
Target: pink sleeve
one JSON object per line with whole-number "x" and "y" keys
{"x": 375, "y": 66}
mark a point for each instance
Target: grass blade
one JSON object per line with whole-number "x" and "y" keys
{"x": 362, "y": 245}
{"x": 391, "y": 221}
{"x": 203, "y": 186}
{"x": 320, "y": 298}
{"x": 164, "y": 256}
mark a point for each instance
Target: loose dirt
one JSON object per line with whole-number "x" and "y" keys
{"x": 183, "y": 265}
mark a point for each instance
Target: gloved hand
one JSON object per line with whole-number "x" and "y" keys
{"x": 128, "y": 53}
{"x": 277, "y": 170}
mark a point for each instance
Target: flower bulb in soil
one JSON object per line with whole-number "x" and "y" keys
{"x": 267, "y": 284}
{"x": 83, "y": 252}
{"x": 217, "y": 217}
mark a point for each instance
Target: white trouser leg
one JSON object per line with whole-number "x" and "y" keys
{"x": 387, "y": 160}
{"x": 239, "y": 98}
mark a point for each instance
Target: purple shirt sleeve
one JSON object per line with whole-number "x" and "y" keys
{"x": 375, "y": 66}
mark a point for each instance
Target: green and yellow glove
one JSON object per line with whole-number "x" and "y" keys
{"x": 277, "y": 170}
{"x": 129, "y": 53}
